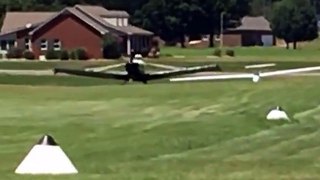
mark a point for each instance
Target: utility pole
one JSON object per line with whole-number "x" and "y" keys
{"x": 221, "y": 29}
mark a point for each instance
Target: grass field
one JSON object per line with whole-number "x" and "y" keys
{"x": 40, "y": 65}
{"x": 306, "y": 56}
{"x": 187, "y": 131}
{"x": 249, "y": 54}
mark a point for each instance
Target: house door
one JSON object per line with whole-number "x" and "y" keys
{"x": 267, "y": 40}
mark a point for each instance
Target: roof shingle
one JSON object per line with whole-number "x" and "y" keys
{"x": 254, "y": 23}
{"x": 17, "y": 20}
{"x": 98, "y": 14}
{"x": 78, "y": 14}
{"x": 100, "y": 11}
{"x": 92, "y": 15}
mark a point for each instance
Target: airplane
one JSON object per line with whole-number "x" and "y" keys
{"x": 134, "y": 70}
{"x": 256, "y": 77}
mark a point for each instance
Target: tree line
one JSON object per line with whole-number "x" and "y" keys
{"x": 292, "y": 20}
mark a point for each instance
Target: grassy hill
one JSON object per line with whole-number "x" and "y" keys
{"x": 189, "y": 131}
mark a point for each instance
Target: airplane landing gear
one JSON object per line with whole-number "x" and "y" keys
{"x": 126, "y": 81}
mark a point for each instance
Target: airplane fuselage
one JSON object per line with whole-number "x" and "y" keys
{"x": 136, "y": 72}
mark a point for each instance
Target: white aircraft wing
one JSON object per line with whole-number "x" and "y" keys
{"x": 289, "y": 71}
{"x": 255, "y": 66}
{"x": 254, "y": 77}
{"x": 104, "y": 68}
{"x": 214, "y": 77}
{"x": 164, "y": 66}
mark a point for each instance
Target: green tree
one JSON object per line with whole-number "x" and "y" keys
{"x": 316, "y": 4}
{"x": 128, "y": 5}
{"x": 111, "y": 46}
{"x": 175, "y": 18}
{"x": 294, "y": 21}
{"x": 168, "y": 18}
{"x": 233, "y": 11}
{"x": 258, "y": 7}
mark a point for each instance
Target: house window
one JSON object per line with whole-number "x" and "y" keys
{"x": 120, "y": 22}
{"x": 57, "y": 45}
{"x": 27, "y": 43}
{"x": 44, "y": 45}
{"x": 125, "y": 21}
{"x": 4, "y": 45}
{"x": 112, "y": 21}
{"x": 11, "y": 43}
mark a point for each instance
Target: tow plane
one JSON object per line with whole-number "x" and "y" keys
{"x": 135, "y": 71}
{"x": 255, "y": 77}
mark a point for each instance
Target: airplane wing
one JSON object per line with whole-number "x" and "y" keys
{"x": 165, "y": 74}
{"x": 256, "y": 66}
{"x": 247, "y": 75}
{"x": 289, "y": 71}
{"x": 104, "y": 68}
{"x": 105, "y": 75}
{"x": 164, "y": 66}
{"x": 214, "y": 77}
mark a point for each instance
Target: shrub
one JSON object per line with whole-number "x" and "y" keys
{"x": 154, "y": 52}
{"x": 155, "y": 42}
{"x": 111, "y": 47}
{"x": 170, "y": 43}
{"x": 217, "y": 52}
{"x": 64, "y": 55}
{"x": 145, "y": 52}
{"x": 73, "y": 55}
{"x": 230, "y": 52}
{"x": 15, "y": 53}
{"x": 81, "y": 54}
{"x": 28, "y": 55}
{"x": 51, "y": 54}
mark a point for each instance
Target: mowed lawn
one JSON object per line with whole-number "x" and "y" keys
{"x": 191, "y": 56}
{"x": 184, "y": 131}
{"x": 246, "y": 53}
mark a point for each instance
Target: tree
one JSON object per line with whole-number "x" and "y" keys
{"x": 170, "y": 19}
{"x": 176, "y": 18}
{"x": 294, "y": 21}
{"x": 233, "y": 11}
{"x": 316, "y": 4}
{"x": 128, "y": 5}
{"x": 152, "y": 16}
{"x": 261, "y": 7}
{"x": 111, "y": 46}
{"x": 258, "y": 7}
{"x": 207, "y": 19}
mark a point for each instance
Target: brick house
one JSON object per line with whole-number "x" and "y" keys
{"x": 253, "y": 31}
{"x": 80, "y": 26}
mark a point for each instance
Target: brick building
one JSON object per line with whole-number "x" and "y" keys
{"x": 80, "y": 26}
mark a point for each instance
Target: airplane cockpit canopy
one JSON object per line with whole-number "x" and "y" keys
{"x": 138, "y": 59}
